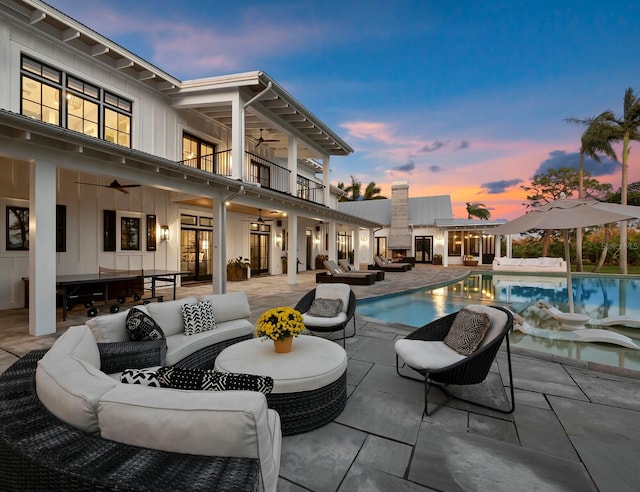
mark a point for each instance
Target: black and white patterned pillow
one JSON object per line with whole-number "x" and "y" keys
{"x": 325, "y": 308}
{"x": 145, "y": 377}
{"x": 467, "y": 331}
{"x": 198, "y": 317}
{"x": 141, "y": 326}
{"x": 210, "y": 380}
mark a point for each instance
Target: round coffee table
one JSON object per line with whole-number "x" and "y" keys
{"x": 309, "y": 383}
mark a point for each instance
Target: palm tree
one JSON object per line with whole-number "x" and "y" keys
{"x": 627, "y": 128}
{"x": 372, "y": 192}
{"x": 595, "y": 139}
{"x": 478, "y": 210}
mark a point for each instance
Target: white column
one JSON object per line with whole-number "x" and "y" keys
{"x": 292, "y": 163}
{"x": 292, "y": 249}
{"x": 219, "y": 249}
{"x": 237, "y": 137}
{"x": 509, "y": 246}
{"x": 326, "y": 191}
{"x": 331, "y": 247}
{"x": 445, "y": 253}
{"x": 42, "y": 248}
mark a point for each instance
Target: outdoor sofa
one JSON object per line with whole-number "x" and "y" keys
{"x": 543, "y": 264}
{"x": 230, "y": 311}
{"x": 67, "y": 421}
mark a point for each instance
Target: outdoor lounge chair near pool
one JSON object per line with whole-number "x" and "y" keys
{"x": 348, "y": 267}
{"x": 429, "y": 351}
{"x": 389, "y": 266}
{"x": 335, "y": 274}
{"x": 617, "y": 321}
{"x": 569, "y": 321}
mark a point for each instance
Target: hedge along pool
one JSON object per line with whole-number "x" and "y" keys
{"x": 598, "y": 296}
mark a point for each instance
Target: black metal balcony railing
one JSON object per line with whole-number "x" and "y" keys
{"x": 217, "y": 163}
{"x": 268, "y": 174}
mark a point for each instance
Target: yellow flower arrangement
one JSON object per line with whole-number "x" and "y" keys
{"x": 279, "y": 323}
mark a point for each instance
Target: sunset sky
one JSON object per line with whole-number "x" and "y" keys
{"x": 465, "y": 98}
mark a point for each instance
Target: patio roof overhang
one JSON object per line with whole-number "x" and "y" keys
{"x": 26, "y": 137}
{"x": 468, "y": 224}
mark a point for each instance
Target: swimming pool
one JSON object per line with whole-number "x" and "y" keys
{"x": 597, "y": 296}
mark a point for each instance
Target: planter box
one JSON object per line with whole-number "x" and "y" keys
{"x": 470, "y": 262}
{"x": 236, "y": 273}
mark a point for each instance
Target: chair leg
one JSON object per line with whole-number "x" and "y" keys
{"x": 512, "y": 405}
{"x": 451, "y": 396}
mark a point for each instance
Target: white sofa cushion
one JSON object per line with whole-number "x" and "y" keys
{"x": 169, "y": 315}
{"x": 180, "y": 346}
{"x": 228, "y": 423}
{"x": 233, "y": 305}
{"x": 69, "y": 381}
{"x": 421, "y": 354}
{"x": 112, "y": 327}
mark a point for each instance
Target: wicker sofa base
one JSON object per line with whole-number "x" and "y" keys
{"x": 307, "y": 410}
{"x": 205, "y": 358}
{"x": 40, "y": 452}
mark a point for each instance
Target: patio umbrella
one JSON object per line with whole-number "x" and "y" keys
{"x": 565, "y": 214}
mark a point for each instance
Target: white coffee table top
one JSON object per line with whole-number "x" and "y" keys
{"x": 312, "y": 363}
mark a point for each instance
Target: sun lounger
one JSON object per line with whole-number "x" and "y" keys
{"x": 388, "y": 266}
{"x": 348, "y": 267}
{"x": 579, "y": 335}
{"x": 336, "y": 274}
{"x": 569, "y": 321}
{"x": 617, "y": 321}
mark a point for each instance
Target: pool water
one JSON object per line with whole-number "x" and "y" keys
{"x": 597, "y": 296}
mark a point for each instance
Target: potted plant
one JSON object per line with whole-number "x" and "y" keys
{"x": 437, "y": 259}
{"x": 320, "y": 261}
{"x": 237, "y": 268}
{"x": 468, "y": 260}
{"x": 280, "y": 324}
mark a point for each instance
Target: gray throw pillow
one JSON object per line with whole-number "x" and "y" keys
{"x": 467, "y": 331}
{"x": 325, "y": 308}
{"x": 141, "y": 326}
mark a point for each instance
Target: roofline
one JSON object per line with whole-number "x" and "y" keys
{"x": 13, "y": 125}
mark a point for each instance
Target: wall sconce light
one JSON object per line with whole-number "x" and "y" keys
{"x": 279, "y": 239}
{"x": 165, "y": 233}
{"x": 316, "y": 241}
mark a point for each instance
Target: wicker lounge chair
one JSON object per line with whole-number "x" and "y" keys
{"x": 337, "y": 275}
{"x": 348, "y": 267}
{"x": 389, "y": 266}
{"x": 329, "y": 325}
{"x": 424, "y": 351}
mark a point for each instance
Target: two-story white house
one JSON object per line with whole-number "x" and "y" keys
{"x": 108, "y": 161}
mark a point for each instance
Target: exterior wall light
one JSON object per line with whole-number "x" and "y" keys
{"x": 165, "y": 233}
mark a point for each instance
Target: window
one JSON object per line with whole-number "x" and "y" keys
{"x": 198, "y": 153}
{"x": 129, "y": 233}
{"x": 455, "y": 244}
{"x": 54, "y": 97}
{"x": 303, "y": 187}
{"x": 117, "y": 120}
{"x": 471, "y": 243}
{"x": 381, "y": 246}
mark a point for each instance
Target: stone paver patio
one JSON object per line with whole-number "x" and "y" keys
{"x": 574, "y": 429}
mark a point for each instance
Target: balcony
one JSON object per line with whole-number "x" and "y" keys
{"x": 268, "y": 174}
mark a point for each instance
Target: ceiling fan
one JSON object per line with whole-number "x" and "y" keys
{"x": 262, "y": 140}
{"x": 114, "y": 185}
{"x": 260, "y": 220}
